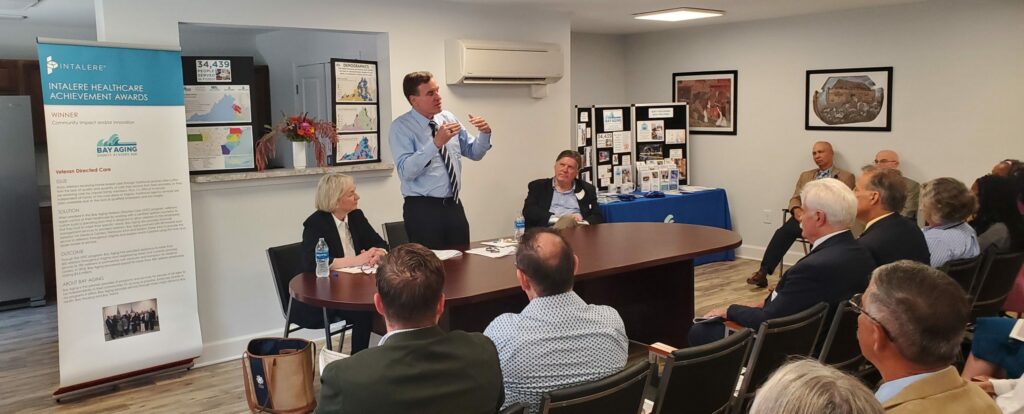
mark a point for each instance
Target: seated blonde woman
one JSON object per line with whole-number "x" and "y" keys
{"x": 351, "y": 241}
{"x": 808, "y": 387}
{"x": 946, "y": 204}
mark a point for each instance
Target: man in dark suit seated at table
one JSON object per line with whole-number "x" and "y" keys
{"x": 790, "y": 230}
{"x": 888, "y": 235}
{"x": 835, "y": 269}
{"x": 563, "y": 196}
{"x": 417, "y": 368}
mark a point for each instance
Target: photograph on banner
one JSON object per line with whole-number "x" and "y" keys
{"x": 605, "y": 140}
{"x": 612, "y": 119}
{"x": 213, "y": 70}
{"x": 220, "y": 148}
{"x": 712, "y": 100}
{"x": 355, "y": 81}
{"x": 355, "y": 118}
{"x": 650, "y": 131}
{"x": 622, "y": 142}
{"x": 130, "y": 319}
{"x": 675, "y": 136}
{"x": 646, "y": 151}
{"x": 356, "y": 148}
{"x": 217, "y": 104}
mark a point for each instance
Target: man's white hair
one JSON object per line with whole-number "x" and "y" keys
{"x": 832, "y": 197}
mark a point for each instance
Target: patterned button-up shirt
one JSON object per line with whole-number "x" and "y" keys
{"x": 556, "y": 342}
{"x": 951, "y": 242}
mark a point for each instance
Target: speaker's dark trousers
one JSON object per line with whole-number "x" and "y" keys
{"x": 437, "y": 223}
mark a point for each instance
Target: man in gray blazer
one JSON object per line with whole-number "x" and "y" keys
{"x": 417, "y": 368}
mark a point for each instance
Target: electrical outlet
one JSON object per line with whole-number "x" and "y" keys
{"x": 766, "y": 216}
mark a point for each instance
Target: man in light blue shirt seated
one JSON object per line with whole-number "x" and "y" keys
{"x": 428, "y": 144}
{"x": 911, "y": 323}
{"x": 558, "y": 340}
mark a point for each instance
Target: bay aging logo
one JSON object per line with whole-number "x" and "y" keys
{"x": 114, "y": 146}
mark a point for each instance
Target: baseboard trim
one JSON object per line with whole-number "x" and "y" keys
{"x": 754, "y": 252}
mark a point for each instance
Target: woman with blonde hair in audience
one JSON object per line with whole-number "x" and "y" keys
{"x": 808, "y": 387}
{"x": 946, "y": 204}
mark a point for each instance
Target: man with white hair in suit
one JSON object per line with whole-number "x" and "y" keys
{"x": 836, "y": 268}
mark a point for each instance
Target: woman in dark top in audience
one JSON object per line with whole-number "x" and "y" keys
{"x": 350, "y": 239}
{"x": 998, "y": 222}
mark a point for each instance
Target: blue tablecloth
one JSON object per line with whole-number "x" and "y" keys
{"x": 707, "y": 208}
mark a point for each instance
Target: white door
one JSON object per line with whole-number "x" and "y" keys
{"x": 313, "y": 89}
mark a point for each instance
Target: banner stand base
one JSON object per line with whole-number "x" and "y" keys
{"x": 110, "y": 383}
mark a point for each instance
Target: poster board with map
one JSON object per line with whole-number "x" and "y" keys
{"x": 220, "y": 127}
{"x": 356, "y": 111}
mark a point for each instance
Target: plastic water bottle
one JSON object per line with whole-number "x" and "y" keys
{"x": 323, "y": 256}
{"x": 519, "y": 229}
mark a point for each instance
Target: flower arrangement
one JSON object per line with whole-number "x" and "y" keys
{"x": 297, "y": 128}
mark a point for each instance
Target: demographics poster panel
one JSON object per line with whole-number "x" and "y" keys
{"x": 126, "y": 286}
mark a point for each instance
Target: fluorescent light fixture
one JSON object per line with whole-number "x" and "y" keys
{"x": 678, "y": 14}
{"x": 12, "y": 17}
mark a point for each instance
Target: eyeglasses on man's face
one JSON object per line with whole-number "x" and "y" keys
{"x": 857, "y": 304}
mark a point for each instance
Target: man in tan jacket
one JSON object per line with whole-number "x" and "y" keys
{"x": 911, "y": 322}
{"x": 790, "y": 230}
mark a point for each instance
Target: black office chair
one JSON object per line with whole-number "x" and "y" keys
{"x": 517, "y": 408}
{"x": 778, "y": 340}
{"x": 395, "y": 233}
{"x": 285, "y": 264}
{"x": 841, "y": 349}
{"x": 965, "y": 272}
{"x": 997, "y": 277}
{"x": 702, "y": 379}
{"x": 622, "y": 392}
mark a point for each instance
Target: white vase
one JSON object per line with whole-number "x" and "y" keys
{"x": 299, "y": 154}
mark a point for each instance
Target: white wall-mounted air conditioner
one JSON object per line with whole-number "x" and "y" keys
{"x": 501, "y": 62}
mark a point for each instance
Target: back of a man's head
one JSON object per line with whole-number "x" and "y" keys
{"x": 892, "y": 190}
{"x": 924, "y": 310}
{"x": 547, "y": 261}
{"x": 833, "y": 198}
{"x": 410, "y": 281}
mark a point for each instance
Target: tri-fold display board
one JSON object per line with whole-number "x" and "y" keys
{"x": 623, "y": 135}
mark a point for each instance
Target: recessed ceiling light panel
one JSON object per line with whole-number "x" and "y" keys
{"x": 678, "y": 14}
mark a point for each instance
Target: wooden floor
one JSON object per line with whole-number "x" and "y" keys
{"x": 28, "y": 360}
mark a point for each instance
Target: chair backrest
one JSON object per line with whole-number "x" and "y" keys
{"x": 778, "y": 340}
{"x": 285, "y": 263}
{"x": 517, "y": 408}
{"x": 997, "y": 279}
{"x": 702, "y": 379}
{"x": 622, "y": 392}
{"x": 841, "y": 349}
{"x": 395, "y": 233}
{"x": 964, "y": 271}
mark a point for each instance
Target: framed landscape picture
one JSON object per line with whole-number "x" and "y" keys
{"x": 858, "y": 99}
{"x": 712, "y": 100}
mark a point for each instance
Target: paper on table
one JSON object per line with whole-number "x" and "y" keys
{"x": 360, "y": 269}
{"x": 501, "y": 251}
{"x": 693, "y": 188}
{"x": 500, "y": 243}
{"x": 447, "y": 254}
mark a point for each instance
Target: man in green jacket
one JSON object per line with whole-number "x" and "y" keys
{"x": 417, "y": 368}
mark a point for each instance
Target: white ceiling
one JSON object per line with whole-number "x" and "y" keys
{"x": 588, "y": 16}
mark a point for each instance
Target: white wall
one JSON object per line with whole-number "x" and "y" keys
{"x": 18, "y": 38}
{"x": 235, "y": 224}
{"x": 956, "y": 95}
{"x": 598, "y": 69}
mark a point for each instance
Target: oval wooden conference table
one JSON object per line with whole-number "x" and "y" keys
{"x": 644, "y": 270}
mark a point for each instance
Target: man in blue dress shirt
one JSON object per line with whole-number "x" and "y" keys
{"x": 428, "y": 144}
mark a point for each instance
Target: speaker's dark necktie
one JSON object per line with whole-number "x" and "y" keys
{"x": 452, "y": 178}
